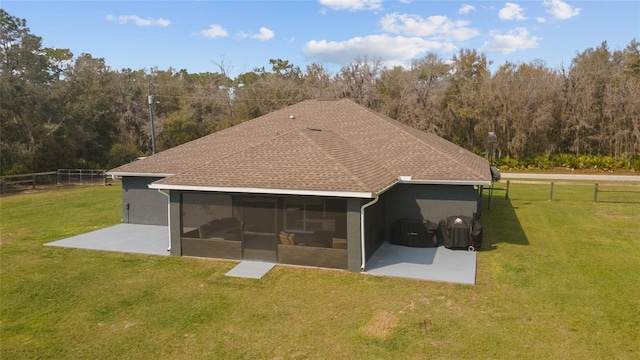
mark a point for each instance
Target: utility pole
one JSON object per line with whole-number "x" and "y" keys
{"x": 491, "y": 147}
{"x": 153, "y": 130}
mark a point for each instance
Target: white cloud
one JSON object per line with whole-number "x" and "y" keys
{"x": 392, "y": 50}
{"x": 438, "y": 27}
{"x": 511, "y": 11}
{"x": 352, "y": 5}
{"x": 123, "y": 19}
{"x": 541, "y": 20}
{"x": 513, "y": 40}
{"x": 561, "y": 10}
{"x": 214, "y": 31}
{"x": 466, "y": 8}
{"x": 264, "y": 34}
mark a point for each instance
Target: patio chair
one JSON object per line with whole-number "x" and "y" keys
{"x": 286, "y": 239}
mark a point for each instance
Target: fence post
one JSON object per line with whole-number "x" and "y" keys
{"x": 33, "y": 181}
{"x": 506, "y": 192}
{"x": 551, "y": 192}
{"x": 595, "y": 193}
{"x": 490, "y": 195}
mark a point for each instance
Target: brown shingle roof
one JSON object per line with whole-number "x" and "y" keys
{"x": 297, "y": 160}
{"x": 355, "y": 150}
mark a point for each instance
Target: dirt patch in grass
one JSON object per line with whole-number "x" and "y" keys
{"x": 381, "y": 325}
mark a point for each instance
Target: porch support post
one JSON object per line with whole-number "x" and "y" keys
{"x": 354, "y": 249}
{"x": 175, "y": 222}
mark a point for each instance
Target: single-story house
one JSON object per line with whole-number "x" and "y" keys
{"x": 317, "y": 183}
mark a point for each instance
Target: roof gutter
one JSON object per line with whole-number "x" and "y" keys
{"x": 409, "y": 180}
{"x": 123, "y": 173}
{"x": 325, "y": 193}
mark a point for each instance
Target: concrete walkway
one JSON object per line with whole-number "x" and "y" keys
{"x": 251, "y": 269}
{"x": 129, "y": 238}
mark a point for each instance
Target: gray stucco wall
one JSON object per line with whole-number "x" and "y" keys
{"x": 374, "y": 227}
{"x": 431, "y": 202}
{"x": 354, "y": 246}
{"x": 141, "y": 205}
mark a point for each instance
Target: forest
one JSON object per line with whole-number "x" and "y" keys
{"x": 60, "y": 110}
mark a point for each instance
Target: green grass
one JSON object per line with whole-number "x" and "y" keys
{"x": 555, "y": 280}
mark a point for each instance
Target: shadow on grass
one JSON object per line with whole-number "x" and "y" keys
{"x": 617, "y": 196}
{"x": 500, "y": 224}
{"x": 618, "y": 202}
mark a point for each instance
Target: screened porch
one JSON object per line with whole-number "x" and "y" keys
{"x": 299, "y": 230}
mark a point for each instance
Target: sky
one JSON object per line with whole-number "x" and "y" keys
{"x": 200, "y": 36}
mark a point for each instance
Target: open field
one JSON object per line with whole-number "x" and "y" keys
{"x": 556, "y": 280}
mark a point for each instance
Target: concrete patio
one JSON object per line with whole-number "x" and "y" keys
{"x": 128, "y": 238}
{"x": 433, "y": 264}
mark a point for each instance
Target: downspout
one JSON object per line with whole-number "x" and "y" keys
{"x": 364, "y": 257}
{"x": 168, "y": 215}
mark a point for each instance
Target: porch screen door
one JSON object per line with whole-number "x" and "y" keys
{"x": 259, "y": 239}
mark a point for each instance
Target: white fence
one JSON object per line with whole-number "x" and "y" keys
{"x": 81, "y": 177}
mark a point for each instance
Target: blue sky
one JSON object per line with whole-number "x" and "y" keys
{"x": 243, "y": 35}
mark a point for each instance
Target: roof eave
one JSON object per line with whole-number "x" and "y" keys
{"x": 140, "y": 174}
{"x": 403, "y": 180}
{"x": 270, "y": 191}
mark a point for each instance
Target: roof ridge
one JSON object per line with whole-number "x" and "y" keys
{"x": 329, "y": 155}
{"x": 340, "y": 163}
{"x": 398, "y": 125}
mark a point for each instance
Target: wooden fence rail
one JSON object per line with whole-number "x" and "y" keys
{"x": 61, "y": 176}
{"x": 22, "y": 179}
{"x": 597, "y": 187}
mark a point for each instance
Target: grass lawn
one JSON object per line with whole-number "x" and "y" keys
{"x": 556, "y": 280}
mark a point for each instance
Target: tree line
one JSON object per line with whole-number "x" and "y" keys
{"x": 58, "y": 110}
